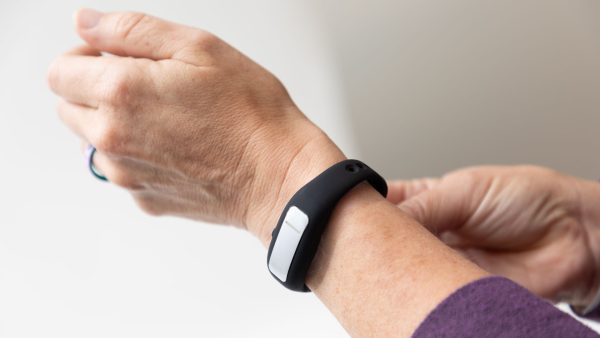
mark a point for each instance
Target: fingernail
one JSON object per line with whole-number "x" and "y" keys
{"x": 88, "y": 18}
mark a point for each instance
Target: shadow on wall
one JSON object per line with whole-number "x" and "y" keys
{"x": 436, "y": 85}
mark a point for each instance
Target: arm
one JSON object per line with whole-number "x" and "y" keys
{"x": 379, "y": 272}
{"x": 534, "y": 225}
{"x": 401, "y": 281}
{"x": 497, "y": 307}
{"x": 193, "y": 128}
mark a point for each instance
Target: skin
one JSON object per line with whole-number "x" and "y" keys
{"x": 192, "y": 127}
{"x": 533, "y": 225}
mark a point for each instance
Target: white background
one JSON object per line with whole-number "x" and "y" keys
{"x": 413, "y": 87}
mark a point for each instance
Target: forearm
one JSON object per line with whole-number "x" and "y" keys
{"x": 379, "y": 272}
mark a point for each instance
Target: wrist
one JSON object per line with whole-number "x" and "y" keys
{"x": 373, "y": 256}
{"x": 346, "y": 227}
{"x": 306, "y": 155}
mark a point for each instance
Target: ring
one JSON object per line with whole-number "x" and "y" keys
{"x": 89, "y": 155}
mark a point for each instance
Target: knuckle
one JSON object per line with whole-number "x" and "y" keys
{"x": 206, "y": 40}
{"x": 127, "y": 23}
{"x": 109, "y": 139}
{"x": 118, "y": 88}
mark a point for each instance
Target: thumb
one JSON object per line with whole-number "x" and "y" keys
{"x": 400, "y": 190}
{"x": 137, "y": 35}
{"x": 438, "y": 209}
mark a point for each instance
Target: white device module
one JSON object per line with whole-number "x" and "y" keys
{"x": 291, "y": 231}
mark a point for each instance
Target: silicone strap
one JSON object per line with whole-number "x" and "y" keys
{"x": 296, "y": 237}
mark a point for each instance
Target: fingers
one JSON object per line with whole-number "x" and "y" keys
{"x": 77, "y": 117}
{"x": 440, "y": 209}
{"x": 90, "y": 80}
{"x": 65, "y": 79}
{"x": 138, "y": 35}
{"x": 96, "y": 127}
{"x": 131, "y": 176}
{"x": 118, "y": 171}
{"x": 399, "y": 191}
{"x": 136, "y": 176}
{"x": 456, "y": 241}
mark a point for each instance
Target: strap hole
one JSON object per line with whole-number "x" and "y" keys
{"x": 352, "y": 168}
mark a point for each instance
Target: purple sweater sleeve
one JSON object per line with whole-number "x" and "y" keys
{"x": 497, "y": 307}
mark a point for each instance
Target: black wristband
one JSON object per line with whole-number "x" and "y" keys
{"x": 296, "y": 237}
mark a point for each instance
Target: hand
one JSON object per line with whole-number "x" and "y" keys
{"x": 529, "y": 224}
{"x": 189, "y": 125}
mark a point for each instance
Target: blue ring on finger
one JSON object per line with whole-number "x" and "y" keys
{"x": 89, "y": 154}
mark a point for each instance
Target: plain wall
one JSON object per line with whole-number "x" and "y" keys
{"x": 431, "y": 86}
{"x": 414, "y": 88}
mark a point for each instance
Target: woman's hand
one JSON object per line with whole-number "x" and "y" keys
{"x": 189, "y": 125}
{"x": 533, "y": 225}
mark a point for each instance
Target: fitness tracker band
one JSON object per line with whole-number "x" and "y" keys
{"x": 296, "y": 237}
